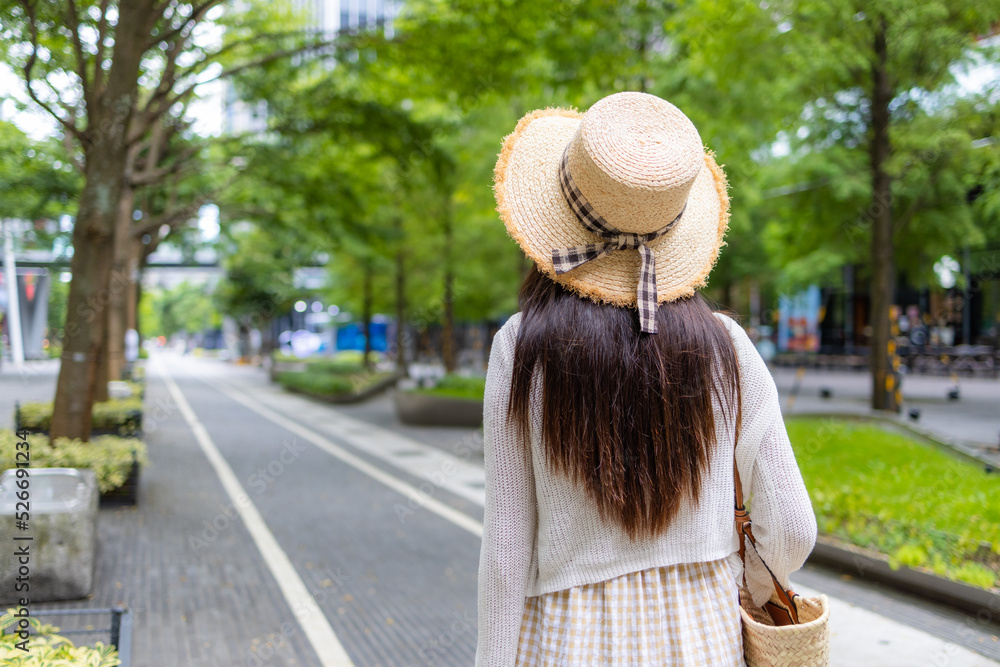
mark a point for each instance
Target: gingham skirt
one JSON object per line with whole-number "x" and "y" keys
{"x": 677, "y": 615}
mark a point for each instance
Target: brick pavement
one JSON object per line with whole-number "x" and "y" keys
{"x": 396, "y": 594}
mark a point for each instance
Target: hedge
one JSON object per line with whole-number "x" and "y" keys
{"x": 457, "y": 386}
{"x": 109, "y": 456}
{"x": 118, "y": 416}
{"x": 316, "y": 383}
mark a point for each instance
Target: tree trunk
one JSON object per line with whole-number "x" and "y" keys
{"x": 366, "y": 315}
{"x": 103, "y": 375}
{"x": 728, "y": 297}
{"x": 448, "y": 330}
{"x": 400, "y": 309}
{"x": 88, "y": 299}
{"x": 105, "y": 157}
{"x": 884, "y": 379}
{"x": 136, "y": 260}
{"x": 119, "y": 286}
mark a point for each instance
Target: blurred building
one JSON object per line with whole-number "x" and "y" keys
{"x": 332, "y": 16}
{"x": 328, "y": 17}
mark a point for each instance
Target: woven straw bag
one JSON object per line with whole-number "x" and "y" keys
{"x": 791, "y": 630}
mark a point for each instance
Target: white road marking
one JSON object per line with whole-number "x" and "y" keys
{"x": 417, "y": 498}
{"x": 310, "y": 617}
{"x": 452, "y": 472}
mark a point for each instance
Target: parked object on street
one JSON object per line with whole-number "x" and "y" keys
{"x": 63, "y": 524}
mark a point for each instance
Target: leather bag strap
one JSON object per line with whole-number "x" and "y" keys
{"x": 783, "y": 610}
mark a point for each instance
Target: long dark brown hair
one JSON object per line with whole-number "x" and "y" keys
{"x": 628, "y": 415}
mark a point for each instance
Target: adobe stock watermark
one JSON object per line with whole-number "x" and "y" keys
{"x": 436, "y": 651}
{"x": 265, "y": 648}
{"x": 258, "y": 482}
{"x": 463, "y": 450}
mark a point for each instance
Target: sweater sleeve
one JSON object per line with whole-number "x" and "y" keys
{"x": 510, "y": 518}
{"x": 783, "y": 520}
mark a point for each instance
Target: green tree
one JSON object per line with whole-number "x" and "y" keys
{"x": 879, "y": 144}
{"x": 260, "y": 278}
{"x": 36, "y": 178}
{"x": 100, "y": 52}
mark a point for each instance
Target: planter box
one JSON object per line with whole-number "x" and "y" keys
{"x": 118, "y": 631}
{"x": 63, "y": 528}
{"x": 429, "y": 410}
{"x": 279, "y": 367}
{"x": 346, "y": 399}
{"x": 872, "y": 566}
{"x": 131, "y": 427}
{"x": 128, "y": 492}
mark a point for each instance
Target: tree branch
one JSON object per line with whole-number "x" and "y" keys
{"x": 277, "y": 55}
{"x": 29, "y": 66}
{"x": 172, "y": 218}
{"x": 73, "y": 21}
{"x": 68, "y": 145}
{"x": 197, "y": 14}
{"x": 102, "y": 33}
{"x": 151, "y": 175}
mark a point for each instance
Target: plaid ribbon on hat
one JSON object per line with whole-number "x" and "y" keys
{"x": 570, "y": 258}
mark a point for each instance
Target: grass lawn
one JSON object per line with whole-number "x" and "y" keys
{"x": 884, "y": 491}
{"x": 455, "y": 386}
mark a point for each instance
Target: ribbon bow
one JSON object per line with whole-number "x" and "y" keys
{"x": 568, "y": 259}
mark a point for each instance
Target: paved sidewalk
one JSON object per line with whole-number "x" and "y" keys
{"x": 973, "y": 419}
{"x": 216, "y": 606}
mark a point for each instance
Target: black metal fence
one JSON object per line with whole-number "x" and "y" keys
{"x": 118, "y": 630}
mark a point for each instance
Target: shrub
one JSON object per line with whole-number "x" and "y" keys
{"x": 109, "y": 456}
{"x": 324, "y": 384}
{"x": 457, "y": 386}
{"x": 351, "y": 358}
{"x": 121, "y": 416}
{"x": 138, "y": 388}
{"x": 336, "y": 366}
{"x": 47, "y": 648}
{"x": 357, "y": 356}
{"x": 278, "y": 355}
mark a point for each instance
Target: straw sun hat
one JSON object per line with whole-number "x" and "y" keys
{"x": 621, "y": 204}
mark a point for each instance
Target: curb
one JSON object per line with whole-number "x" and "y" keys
{"x": 861, "y": 564}
{"x": 419, "y": 409}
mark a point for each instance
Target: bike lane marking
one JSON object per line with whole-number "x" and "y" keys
{"x": 415, "y": 496}
{"x": 308, "y": 614}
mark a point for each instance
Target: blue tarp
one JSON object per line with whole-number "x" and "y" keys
{"x": 351, "y": 337}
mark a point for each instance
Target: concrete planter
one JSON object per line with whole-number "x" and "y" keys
{"x": 353, "y": 397}
{"x": 128, "y": 492}
{"x": 874, "y": 567}
{"x": 63, "y": 526}
{"x": 428, "y": 410}
{"x": 279, "y": 367}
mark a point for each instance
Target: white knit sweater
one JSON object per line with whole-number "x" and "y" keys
{"x": 542, "y": 533}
